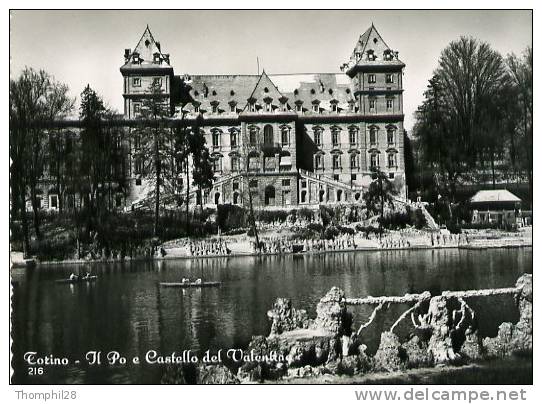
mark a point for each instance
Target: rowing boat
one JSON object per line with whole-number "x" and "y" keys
{"x": 189, "y": 284}
{"x": 78, "y": 280}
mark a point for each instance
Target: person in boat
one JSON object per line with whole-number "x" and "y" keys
{"x": 73, "y": 277}
{"x": 185, "y": 280}
{"x": 198, "y": 281}
{"x": 87, "y": 276}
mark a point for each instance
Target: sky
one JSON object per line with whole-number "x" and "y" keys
{"x": 87, "y": 47}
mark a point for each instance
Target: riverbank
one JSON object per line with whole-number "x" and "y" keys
{"x": 277, "y": 242}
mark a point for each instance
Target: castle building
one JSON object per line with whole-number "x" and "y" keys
{"x": 284, "y": 139}
{"x": 303, "y": 139}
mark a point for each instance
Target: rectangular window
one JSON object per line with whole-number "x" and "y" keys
{"x": 234, "y": 165}
{"x": 372, "y": 104}
{"x": 336, "y": 177}
{"x": 317, "y": 137}
{"x": 372, "y": 78}
{"x": 389, "y": 78}
{"x": 137, "y": 108}
{"x": 284, "y": 137}
{"x": 352, "y": 136}
{"x": 389, "y": 104}
{"x": 138, "y": 181}
{"x": 253, "y": 184}
{"x": 391, "y": 176}
{"x": 232, "y": 108}
{"x": 335, "y": 138}
{"x": 235, "y": 185}
{"x": 216, "y": 139}
{"x": 336, "y": 161}
{"x": 233, "y": 139}
{"x": 136, "y": 82}
{"x": 285, "y": 183}
{"x": 157, "y": 81}
{"x": 54, "y": 202}
{"x": 354, "y": 177}
{"x": 303, "y": 184}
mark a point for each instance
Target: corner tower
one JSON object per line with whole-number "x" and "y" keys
{"x": 377, "y": 79}
{"x": 142, "y": 68}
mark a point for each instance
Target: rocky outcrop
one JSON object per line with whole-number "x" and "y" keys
{"x": 390, "y": 356}
{"x": 285, "y": 318}
{"x": 514, "y": 338}
{"x": 216, "y": 374}
{"x": 332, "y": 314}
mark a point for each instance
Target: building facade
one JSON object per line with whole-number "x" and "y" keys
{"x": 293, "y": 139}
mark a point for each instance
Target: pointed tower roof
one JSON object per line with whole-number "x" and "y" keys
{"x": 146, "y": 49}
{"x": 371, "y": 49}
{"x": 265, "y": 88}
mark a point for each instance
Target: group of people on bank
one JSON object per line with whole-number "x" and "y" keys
{"x": 208, "y": 247}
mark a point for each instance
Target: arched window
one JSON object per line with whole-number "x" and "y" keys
{"x": 217, "y": 163}
{"x": 235, "y": 198}
{"x": 233, "y": 138}
{"x": 339, "y": 195}
{"x": 217, "y": 198}
{"x": 268, "y": 134}
{"x": 303, "y": 196}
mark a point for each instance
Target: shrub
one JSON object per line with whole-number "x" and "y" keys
{"x": 316, "y": 227}
{"x": 230, "y": 217}
{"x": 331, "y": 232}
{"x": 270, "y": 216}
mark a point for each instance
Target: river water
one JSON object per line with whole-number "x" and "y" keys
{"x": 126, "y": 311}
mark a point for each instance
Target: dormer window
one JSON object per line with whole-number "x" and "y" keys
{"x": 371, "y": 55}
{"x": 316, "y": 106}
{"x": 358, "y": 55}
{"x": 196, "y": 109}
{"x": 334, "y": 106}
{"x": 136, "y": 81}
{"x": 268, "y": 106}
{"x": 157, "y": 82}
{"x": 232, "y": 107}
{"x": 252, "y": 107}
{"x": 156, "y": 57}
{"x": 299, "y": 106}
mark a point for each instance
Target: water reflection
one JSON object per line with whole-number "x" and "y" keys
{"x": 125, "y": 310}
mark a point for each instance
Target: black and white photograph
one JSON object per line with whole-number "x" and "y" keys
{"x": 271, "y": 197}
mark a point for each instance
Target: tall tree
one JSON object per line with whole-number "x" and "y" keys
{"x": 521, "y": 72}
{"x": 379, "y": 194}
{"x": 36, "y": 101}
{"x": 156, "y": 137}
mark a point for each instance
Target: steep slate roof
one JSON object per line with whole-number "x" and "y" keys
{"x": 371, "y": 40}
{"x": 147, "y": 47}
{"x": 496, "y": 195}
{"x": 306, "y": 87}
